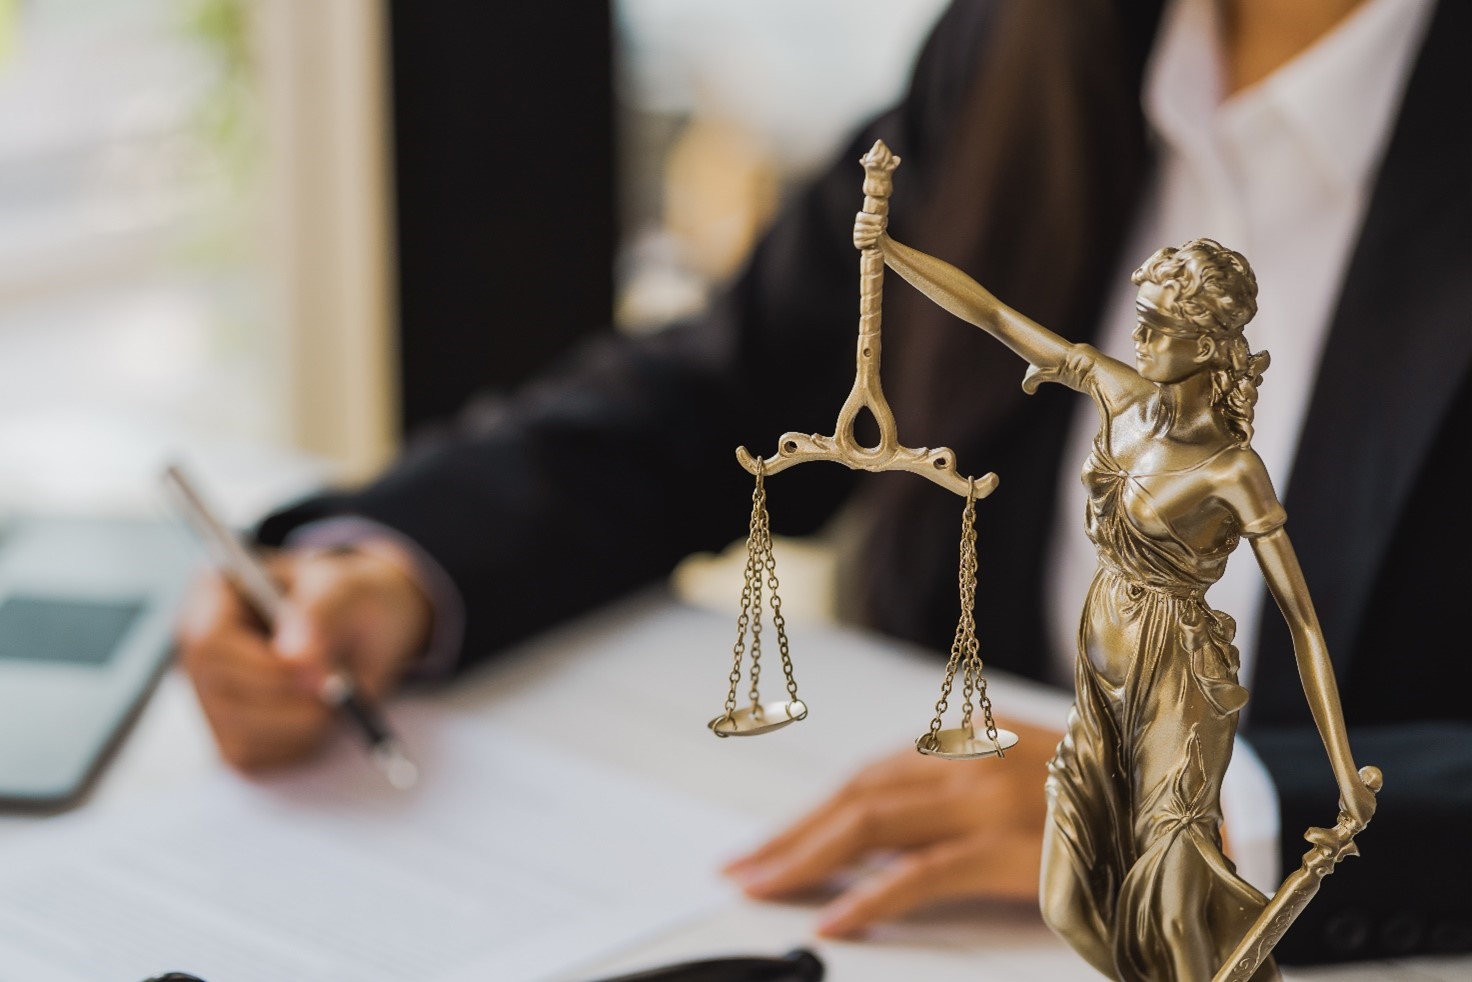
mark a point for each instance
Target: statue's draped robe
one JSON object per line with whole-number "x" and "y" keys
{"x": 1134, "y": 790}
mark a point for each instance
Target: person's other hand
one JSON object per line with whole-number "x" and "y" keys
{"x": 940, "y": 829}
{"x": 360, "y": 610}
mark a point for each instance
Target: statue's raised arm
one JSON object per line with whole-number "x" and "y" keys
{"x": 961, "y": 295}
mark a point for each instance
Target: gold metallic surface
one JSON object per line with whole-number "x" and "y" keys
{"x": 1134, "y": 878}
{"x": 963, "y": 743}
{"x": 1329, "y": 846}
{"x": 758, "y": 717}
{"x": 938, "y": 465}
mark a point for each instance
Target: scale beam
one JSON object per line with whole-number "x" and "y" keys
{"x": 937, "y": 465}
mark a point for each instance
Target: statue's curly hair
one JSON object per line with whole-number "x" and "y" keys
{"x": 1212, "y": 289}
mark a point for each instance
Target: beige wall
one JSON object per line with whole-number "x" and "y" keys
{"x": 324, "y": 74}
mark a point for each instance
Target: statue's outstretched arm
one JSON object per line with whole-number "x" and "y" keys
{"x": 963, "y": 296}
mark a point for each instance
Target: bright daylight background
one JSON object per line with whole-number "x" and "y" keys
{"x": 194, "y": 249}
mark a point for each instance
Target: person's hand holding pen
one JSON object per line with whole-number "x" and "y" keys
{"x": 360, "y": 610}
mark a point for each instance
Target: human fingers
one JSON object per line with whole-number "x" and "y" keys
{"x": 254, "y": 708}
{"x": 222, "y": 645}
{"x": 240, "y": 667}
{"x": 351, "y": 609}
{"x": 981, "y": 793}
{"x": 211, "y": 606}
{"x": 891, "y": 774}
{"x": 852, "y": 829}
{"x": 311, "y": 618}
{"x": 261, "y": 695}
{"x": 395, "y": 626}
{"x": 901, "y": 773}
{"x": 255, "y": 735}
{"x": 1002, "y": 863}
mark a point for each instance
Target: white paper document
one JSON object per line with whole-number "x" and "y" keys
{"x": 509, "y": 861}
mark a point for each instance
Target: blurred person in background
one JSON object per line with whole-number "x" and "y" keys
{"x": 1049, "y": 148}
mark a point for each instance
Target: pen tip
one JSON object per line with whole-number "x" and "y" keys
{"x": 398, "y": 768}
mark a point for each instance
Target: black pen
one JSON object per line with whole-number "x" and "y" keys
{"x": 246, "y": 573}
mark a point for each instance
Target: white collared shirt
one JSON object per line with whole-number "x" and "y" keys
{"x": 1280, "y": 171}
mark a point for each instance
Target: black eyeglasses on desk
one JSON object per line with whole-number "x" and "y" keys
{"x": 799, "y": 965}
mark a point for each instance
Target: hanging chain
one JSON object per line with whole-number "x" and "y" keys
{"x": 943, "y": 703}
{"x": 975, "y": 681}
{"x": 756, "y": 563}
{"x": 750, "y": 591}
{"x": 965, "y": 627}
{"x": 965, "y": 649}
{"x": 986, "y": 708}
{"x": 778, "y": 621}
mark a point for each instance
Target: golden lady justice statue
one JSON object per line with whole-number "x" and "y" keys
{"x": 1134, "y": 877}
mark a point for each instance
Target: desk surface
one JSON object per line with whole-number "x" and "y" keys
{"x": 651, "y": 672}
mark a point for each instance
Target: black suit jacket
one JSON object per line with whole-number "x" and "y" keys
{"x": 576, "y": 489}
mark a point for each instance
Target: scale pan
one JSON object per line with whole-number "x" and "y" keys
{"x": 759, "y": 719}
{"x": 965, "y": 744}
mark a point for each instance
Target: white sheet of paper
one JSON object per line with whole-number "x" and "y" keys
{"x": 508, "y": 861}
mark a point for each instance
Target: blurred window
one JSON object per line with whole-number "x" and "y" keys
{"x": 182, "y": 266}
{"x": 130, "y": 312}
